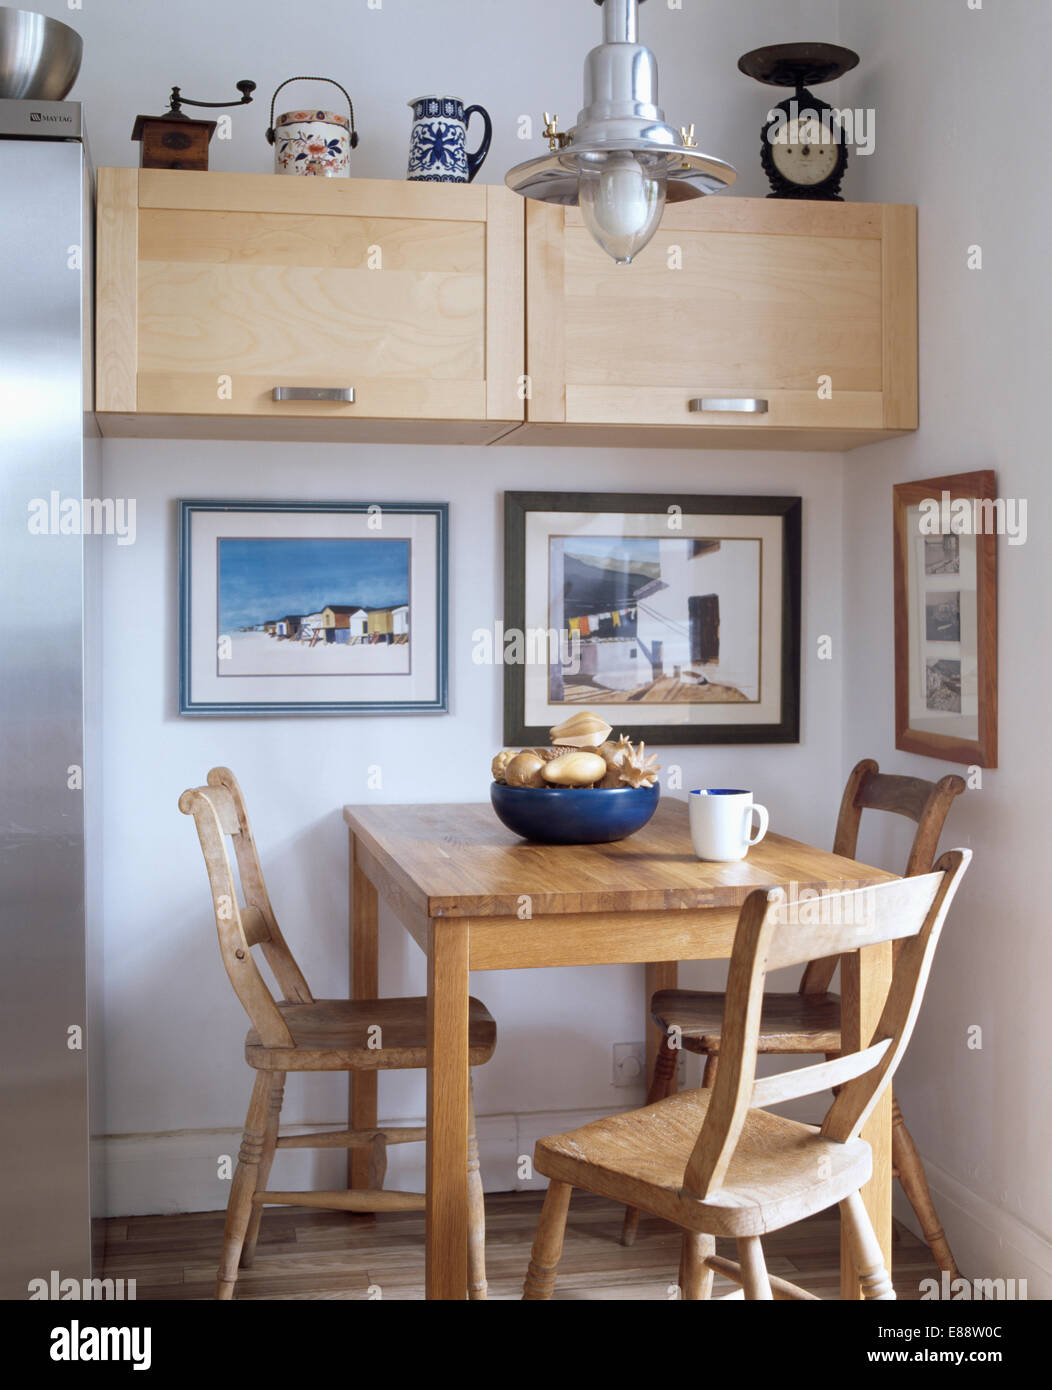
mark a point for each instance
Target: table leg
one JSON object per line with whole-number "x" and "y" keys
{"x": 864, "y": 980}
{"x": 447, "y": 1109}
{"x": 662, "y": 974}
{"x": 365, "y": 984}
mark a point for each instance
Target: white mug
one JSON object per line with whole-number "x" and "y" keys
{"x": 721, "y": 824}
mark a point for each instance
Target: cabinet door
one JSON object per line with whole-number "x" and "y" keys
{"x": 805, "y": 312}
{"x": 219, "y": 288}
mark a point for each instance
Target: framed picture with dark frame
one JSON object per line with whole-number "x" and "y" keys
{"x": 946, "y": 618}
{"x": 675, "y": 617}
{"x": 313, "y": 607}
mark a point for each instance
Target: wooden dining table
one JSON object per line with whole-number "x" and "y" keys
{"x": 476, "y": 897}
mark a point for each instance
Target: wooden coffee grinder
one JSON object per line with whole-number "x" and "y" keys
{"x": 177, "y": 141}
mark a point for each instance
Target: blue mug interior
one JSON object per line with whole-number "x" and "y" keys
{"x": 721, "y": 791}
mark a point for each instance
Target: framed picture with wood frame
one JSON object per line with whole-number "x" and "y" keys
{"x": 946, "y": 617}
{"x": 676, "y": 617}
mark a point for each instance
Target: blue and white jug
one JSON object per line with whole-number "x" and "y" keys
{"x": 438, "y": 150}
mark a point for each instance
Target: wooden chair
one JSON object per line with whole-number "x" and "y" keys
{"x": 715, "y": 1161}
{"x": 301, "y": 1033}
{"x": 809, "y": 1020}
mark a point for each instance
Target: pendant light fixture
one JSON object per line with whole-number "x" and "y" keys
{"x": 621, "y": 162}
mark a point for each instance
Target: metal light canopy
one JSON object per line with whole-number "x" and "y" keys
{"x": 620, "y": 115}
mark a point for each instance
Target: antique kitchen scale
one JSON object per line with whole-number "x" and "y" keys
{"x": 804, "y": 152}
{"x": 177, "y": 141}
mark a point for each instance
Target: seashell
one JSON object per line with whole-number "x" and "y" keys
{"x": 640, "y": 768}
{"x": 615, "y": 756}
{"x": 576, "y": 769}
{"x": 615, "y": 753}
{"x": 583, "y": 730}
{"x": 500, "y": 762}
{"x": 546, "y": 754}
{"x": 524, "y": 770}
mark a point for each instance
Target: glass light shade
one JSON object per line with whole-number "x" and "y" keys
{"x": 622, "y": 197}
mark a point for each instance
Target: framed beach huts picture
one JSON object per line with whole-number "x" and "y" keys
{"x": 313, "y": 608}
{"x": 677, "y": 617}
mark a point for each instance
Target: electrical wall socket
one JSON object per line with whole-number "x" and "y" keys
{"x": 630, "y": 1065}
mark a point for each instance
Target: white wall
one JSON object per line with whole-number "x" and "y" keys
{"x": 174, "y": 1027}
{"x": 514, "y": 59}
{"x": 972, "y": 164}
{"x": 174, "y": 1030}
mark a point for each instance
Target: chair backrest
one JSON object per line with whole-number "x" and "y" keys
{"x": 927, "y": 803}
{"x": 219, "y": 812}
{"x": 908, "y": 911}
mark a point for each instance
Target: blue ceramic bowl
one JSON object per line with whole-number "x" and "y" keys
{"x": 573, "y": 815}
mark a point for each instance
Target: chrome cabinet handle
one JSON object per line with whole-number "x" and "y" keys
{"x": 746, "y": 405}
{"x": 313, "y": 393}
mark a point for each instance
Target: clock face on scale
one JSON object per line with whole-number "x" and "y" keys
{"x": 804, "y": 155}
{"x": 805, "y": 152}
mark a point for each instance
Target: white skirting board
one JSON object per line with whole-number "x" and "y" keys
{"x": 987, "y": 1241}
{"x": 155, "y": 1174}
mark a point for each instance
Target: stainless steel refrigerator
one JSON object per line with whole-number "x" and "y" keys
{"x": 49, "y": 700}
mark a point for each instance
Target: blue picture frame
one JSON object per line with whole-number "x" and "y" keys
{"x": 189, "y": 509}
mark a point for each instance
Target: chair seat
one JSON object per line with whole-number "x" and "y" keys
{"x": 781, "y": 1171}
{"x": 789, "y": 1022}
{"x": 333, "y": 1035}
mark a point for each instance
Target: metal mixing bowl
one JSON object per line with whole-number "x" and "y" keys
{"x": 39, "y": 57}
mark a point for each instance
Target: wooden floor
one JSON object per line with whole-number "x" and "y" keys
{"x": 331, "y": 1255}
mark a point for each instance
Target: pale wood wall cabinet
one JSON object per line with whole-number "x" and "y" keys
{"x": 807, "y": 308}
{"x": 222, "y": 297}
{"x": 216, "y": 290}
